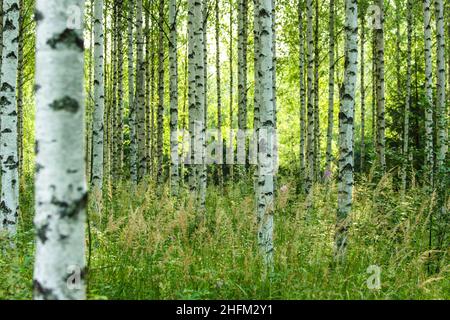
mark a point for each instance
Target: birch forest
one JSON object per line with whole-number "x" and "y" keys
{"x": 224, "y": 149}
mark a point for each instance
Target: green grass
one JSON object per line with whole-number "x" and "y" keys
{"x": 146, "y": 246}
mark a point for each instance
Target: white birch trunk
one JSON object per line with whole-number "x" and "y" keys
{"x": 219, "y": 96}
{"x": 99, "y": 100}
{"x": 131, "y": 102}
{"x": 9, "y": 206}
{"x": 160, "y": 129}
{"x": 310, "y": 95}
{"x": 408, "y": 94}
{"x": 429, "y": 156}
{"x": 266, "y": 165}
{"x": 363, "y": 93}
{"x": 242, "y": 63}
{"x": 61, "y": 194}
{"x": 140, "y": 95}
{"x": 346, "y": 122}
{"x": 441, "y": 108}
{"x": 381, "y": 100}
{"x": 330, "y": 95}
{"x": 317, "y": 134}
{"x": 173, "y": 61}
{"x": 196, "y": 102}
{"x": 302, "y": 91}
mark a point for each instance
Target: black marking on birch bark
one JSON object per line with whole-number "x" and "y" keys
{"x": 67, "y": 104}
{"x": 4, "y": 208}
{"x": 71, "y": 210}
{"x": 14, "y": 8}
{"x": 4, "y": 102}
{"x": 38, "y": 16}
{"x": 7, "y": 130}
{"x": 42, "y": 232}
{"x": 12, "y": 55}
{"x": 7, "y": 87}
{"x": 40, "y": 291}
{"x": 69, "y": 38}
{"x": 37, "y": 88}
{"x": 13, "y": 114}
{"x": 10, "y": 163}
{"x": 9, "y": 25}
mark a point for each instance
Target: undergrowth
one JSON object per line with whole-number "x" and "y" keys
{"x": 146, "y": 245}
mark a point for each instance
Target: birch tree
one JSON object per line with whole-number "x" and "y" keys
{"x": 119, "y": 111}
{"x": 266, "y": 132}
{"x": 9, "y": 205}
{"x": 1, "y": 37}
{"x": 302, "y": 89}
{"x": 310, "y": 95}
{"x": 160, "y": 130}
{"x": 196, "y": 102}
{"x": 409, "y": 21}
{"x": 20, "y": 87}
{"x": 381, "y": 100}
{"x": 317, "y": 138}
{"x": 99, "y": 100}
{"x": 257, "y": 90}
{"x": 346, "y": 122}
{"x": 429, "y": 157}
{"x": 230, "y": 150}
{"x": 131, "y": 102}
{"x": 363, "y": 91}
{"x": 140, "y": 94}
{"x": 242, "y": 64}
{"x": 219, "y": 95}
{"x": 442, "y": 129}
{"x": 330, "y": 92}
{"x": 61, "y": 193}
{"x": 149, "y": 74}
{"x": 173, "y": 61}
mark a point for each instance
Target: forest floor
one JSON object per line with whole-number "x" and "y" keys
{"x": 150, "y": 247}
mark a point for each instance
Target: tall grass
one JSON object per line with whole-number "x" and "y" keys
{"x": 146, "y": 246}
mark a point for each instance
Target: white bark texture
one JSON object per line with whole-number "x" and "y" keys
{"x": 381, "y": 100}
{"x": 310, "y": 95}
{"x": 219, "y": 95}
{"x": 197, "y": 101}
{"x": 131, "y": 100}
{"x": 242, "y": 63}
{"x": 266, "y": 165}
{"x": 61, "y": 192}
{"x": 302, "y": 90}
{"x": 173, "y": 70}
{"x": 409, "y": 21}
{"x": 140, "y": 95}
{"x": 429, "y": 156}
{"x": 9, "y": 206}
{"x": 161, "y": 74}
{"x": 329, "y": 155}
{"x": 442, "y": 129}
{"x": 346, "y": 123}
{"x": 363, "y": 93}
{"x": 99, "y": 100}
